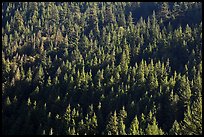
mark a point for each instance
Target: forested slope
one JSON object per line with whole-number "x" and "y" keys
{"x": 75, "y": 68}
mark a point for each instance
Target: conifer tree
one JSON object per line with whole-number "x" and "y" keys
{"x": 176, "y": 129}
{"x": 112, "y": 126}
{"x": 153, "y": 129}
{"x": 39, "y": 76}
{"x": 134, "y": 127}
{"x": 192, "y": 123}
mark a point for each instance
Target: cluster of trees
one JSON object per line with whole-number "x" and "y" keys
{"x": 115, "y": 68}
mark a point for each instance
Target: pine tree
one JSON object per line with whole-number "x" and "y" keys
{"x": 164, "y": 9}
{"x": 112, "y": 126}
{"x": 184, "y": 91}
{"x": 58, "y": 53}
{"x": 93, "y": 124}
{"x": 153, "y": 129}
{"x": 130, "y": 20}
{"x": 109, "y": 16}
{"x": 81, "y": 128}
{"x": 192, "y": 123}
{"x": 121, "y": 127}
{"x": 176, "y": 129}
{"x": 51, "y": 131}
{"x": 152, "y": 82}
{"x": 124, "y": 62}
{"x": 67, "y": 118}
{"x": 7, "y": 101}
{"x": 29, "y": 102}
{"x": 142, "y": 124}
{"x": 35, "y": 92}
{"x": 72, "y": 131}
{"x": 19, "y": 21}
{"x": 134, "y": 127}
{"x": 17, "y": 75}
{"x": 140, "y": 76}
{"x": 48, "y": 83}
{"x": 122, "y": 114}
{"x": 39, "y": 77}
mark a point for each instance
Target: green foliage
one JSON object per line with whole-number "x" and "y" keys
{"x": 121, "y": 127}
{"x": 134, "y": 127}
{"x": 7, "y": 102}
{"x": 66, "y": 66}
{"x": 192, "y": 123}
{"x": 175, "y": 130}
{"x": 153, "y": 129}
{"x": 39, "y": 77}
{"x": 17, "y": 75}
{"x": 112, "y": 126}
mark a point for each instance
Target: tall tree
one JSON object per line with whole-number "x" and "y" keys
{"x": 153, "y": 129}
{"x": 192, "y": 123}
{"x": 112, "y": 126}
{"x": 39, "y": 76}
{"x": 134, "y": 127}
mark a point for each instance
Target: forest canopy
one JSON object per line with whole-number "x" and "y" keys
{"x": 102, "y": 68}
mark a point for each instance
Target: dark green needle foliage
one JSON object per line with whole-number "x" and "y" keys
{"x": 101, "y": 68}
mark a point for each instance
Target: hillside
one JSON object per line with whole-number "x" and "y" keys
{"x": 102, "y": 68}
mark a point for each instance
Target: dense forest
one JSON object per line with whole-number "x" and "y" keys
{"x": 102, "y": 68}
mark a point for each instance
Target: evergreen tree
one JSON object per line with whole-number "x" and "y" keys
{"x": 19, "y": 22}
{"x": 112, "y": 126}
{"x": 39, "y": 77}
{"x": 67, "y": 118}
{"x": 176, "y": 129}
{"x": 17, "y": 75}
{"x": 164, "y": 9}
{"x": 192, "y": 123}
{"x": 121, "y": 127}
{"x": 66, "y": 66}
{"x": 153, "y": 129}
{"x": 134, "y": 127}
{"x": 184, "y": 91}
